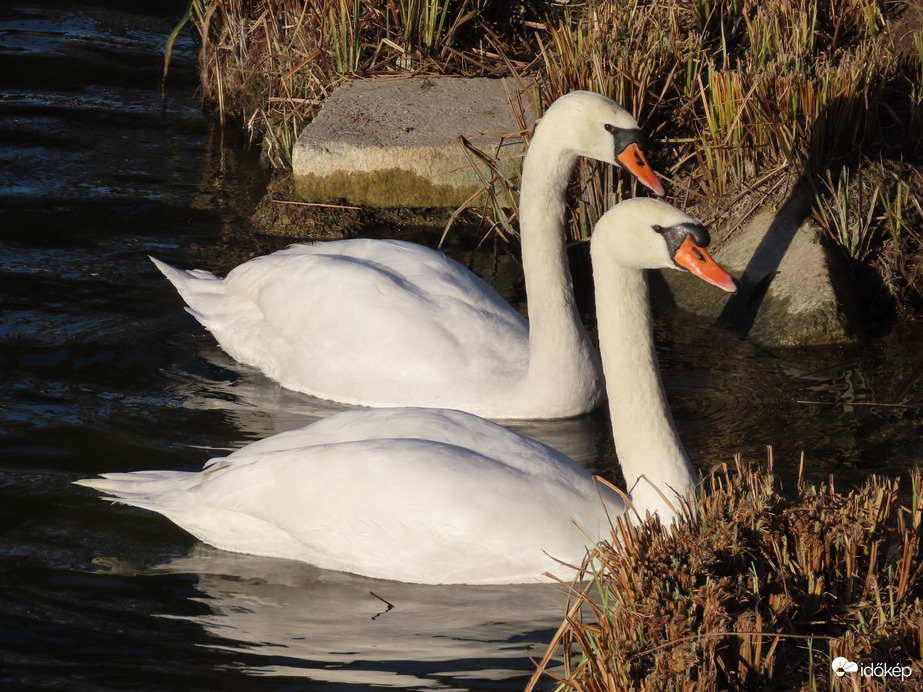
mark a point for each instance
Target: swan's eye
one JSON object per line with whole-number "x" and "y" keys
{"x": 610, "y": 128}
{"x": 657, "y": 229}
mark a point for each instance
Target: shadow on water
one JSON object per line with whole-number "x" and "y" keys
{"x": 102, "y": 370}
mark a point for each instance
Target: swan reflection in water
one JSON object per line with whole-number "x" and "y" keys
{"x": 329, "y": 627}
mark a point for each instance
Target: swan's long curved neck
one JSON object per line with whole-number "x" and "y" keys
{"x": 558, "y": 341}
{"x": 642, "y": 426}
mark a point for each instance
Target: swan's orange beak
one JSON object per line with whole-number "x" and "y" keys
{"x": 697, "y": 260}
{"x": 633, "y": 159}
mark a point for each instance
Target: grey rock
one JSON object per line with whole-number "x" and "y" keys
{"x": 395, "y": 142}
{"x": 793, "y": 289}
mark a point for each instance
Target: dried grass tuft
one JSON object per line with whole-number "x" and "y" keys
{"x": 270, "y": 63}
{"x": 757, "y": 591}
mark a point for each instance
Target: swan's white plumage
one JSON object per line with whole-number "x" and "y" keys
{"x": 418, "y": 495}
{"x": 275, "y": 309}
{"x": 440, "y": 496}
{"x": 388, "y": 323}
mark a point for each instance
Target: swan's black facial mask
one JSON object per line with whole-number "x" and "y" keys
{"x": 686, "y": 243}
{"x": 630, "y": 146}
{"x": 624, "y": 137}
{"x": 674, "y": 236}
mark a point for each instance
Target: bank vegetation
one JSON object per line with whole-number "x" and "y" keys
{"x": 758, "y": 589}
{"x": 745, "y": 101}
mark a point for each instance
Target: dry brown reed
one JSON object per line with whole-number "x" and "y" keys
{"x": 741, "y": 85}
{"x": 753, "y": 590}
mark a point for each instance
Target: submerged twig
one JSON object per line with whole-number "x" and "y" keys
{"x": 854, "y": 403}
{"x": 387, "y": 603}
{"x": 314, "y": 204}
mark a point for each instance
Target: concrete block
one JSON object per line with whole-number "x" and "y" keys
{"x": 394, "y": 142}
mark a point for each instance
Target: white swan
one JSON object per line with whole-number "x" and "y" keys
{"x": 441, "y": 496}
{"x": 390, "y": 323}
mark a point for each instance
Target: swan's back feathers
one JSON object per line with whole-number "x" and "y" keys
{"x": 421, "y": 268}
{"x": 446, "y": 426}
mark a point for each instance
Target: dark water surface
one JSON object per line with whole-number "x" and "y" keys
{"x": 101, "y": 370}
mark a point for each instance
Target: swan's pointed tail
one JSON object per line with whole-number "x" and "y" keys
{"x": 158, "y": 491}
{"x": 202, "y": 290}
